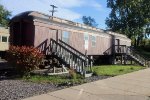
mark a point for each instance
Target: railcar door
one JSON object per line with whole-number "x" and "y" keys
{"x": 16, "y": 34}
{"x": 117, "y": 45}
{"x": 86, "y": 42}
{"x": 117, "y": 42}
{"x": 53, "y": 33}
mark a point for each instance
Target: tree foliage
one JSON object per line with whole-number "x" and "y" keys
{"x": 129, "y": 17}
{"x": 89, "y": 21}
{"x": 4, "y": 16}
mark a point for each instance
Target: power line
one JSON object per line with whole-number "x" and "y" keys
{"x": 53, "y": 10}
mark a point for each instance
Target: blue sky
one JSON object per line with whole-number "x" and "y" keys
{"x": 68, "y": 9}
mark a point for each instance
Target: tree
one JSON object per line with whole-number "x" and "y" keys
{"x": 4, "y": 16}
{"x": 89, "y": 21}
{"x": 147, "y": 30}
{"x": 129, "y": 17}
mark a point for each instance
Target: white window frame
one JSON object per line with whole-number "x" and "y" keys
{"x": 2, "y": 39}
{"x": 93, "y": 39}
{"x": 86, "y": 37}
{"x": 65, "y": 35}
{"x": 86, "y": 41}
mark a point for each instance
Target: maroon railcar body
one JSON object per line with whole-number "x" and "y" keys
{"x": 36, "y": 29}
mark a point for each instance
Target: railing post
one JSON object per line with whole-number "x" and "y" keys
{"x": 83, "y": 67}
{"x": 91, "y": 63}
{"x": 146, "y": 63}
{"x": 125, "y": 54}
{"x": 113, "y": 54}
{"x": 71, "y": 56}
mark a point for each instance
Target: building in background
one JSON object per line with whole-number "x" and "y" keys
{"x": 4, "y": 37}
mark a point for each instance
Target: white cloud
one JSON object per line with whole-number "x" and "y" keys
{"x": 68, "y": 3}
{"x": 94, "y": 4}
{"x": 68, "y": 14}
{"x": 64, "y": 10}
{"x": 97, "y": 6}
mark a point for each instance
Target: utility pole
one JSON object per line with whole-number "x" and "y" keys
{"x": 53, "y": 7}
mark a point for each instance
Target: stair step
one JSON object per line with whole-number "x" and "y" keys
{"x": 88, "y": 74}
{"x": 68, "y": 56}
{"x": 137, "y": 60}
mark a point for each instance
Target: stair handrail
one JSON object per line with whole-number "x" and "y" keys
{"x": 133, "y": 50}
{"x": 67, "y": 49}
{"x": 115, "y": 49}
{"x": 128, "y": 50}
{"x": 120, "y": 48}
{"x": 144, "y": 60}
{"x": 84, "y": 62}
{"x": 108, "y": 51}
{"x": 75, "y": 50}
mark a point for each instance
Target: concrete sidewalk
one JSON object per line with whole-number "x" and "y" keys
{"x": 132, "y": 86}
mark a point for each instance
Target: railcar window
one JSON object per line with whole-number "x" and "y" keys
{"x": 93, "y": 41}
{"x": 65, "y": 36}
{"x": 4, "y": 38}
{"x": 86, "y": 37}
{"x": 86, "y": 41}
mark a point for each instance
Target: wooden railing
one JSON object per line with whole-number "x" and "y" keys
{"x": 141, "y": 59}
{"x": 123, "y": 49}
{"x": 108, "y": 51}
{"x": 75, "y": 60}
{"x": 74, "y": 50}
{"x": 114, "y": 49}
{"x": 120, "y": 48}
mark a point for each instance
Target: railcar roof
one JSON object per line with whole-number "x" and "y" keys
{"x": 34, "y": 14}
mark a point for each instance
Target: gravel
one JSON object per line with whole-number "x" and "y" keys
{"x": 18, "y": 89}
{"x": 15, "y": 89}
{"x": 95, "y": 78}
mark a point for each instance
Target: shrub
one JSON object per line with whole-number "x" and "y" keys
{"x": 72, "y": 74}
{"x": 24, "y": 59}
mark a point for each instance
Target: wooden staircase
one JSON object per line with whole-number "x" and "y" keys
{"x": 131, "y": 53}
{"x": 69, "y": 57}
{"x": 128, "y": 53}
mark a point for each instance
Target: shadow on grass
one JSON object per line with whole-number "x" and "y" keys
{"x": 8, "y": 72}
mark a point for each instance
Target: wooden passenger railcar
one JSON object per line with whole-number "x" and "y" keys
{"x": 36, "y": 29}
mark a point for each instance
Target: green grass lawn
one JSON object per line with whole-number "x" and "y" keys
{"x": 114, "y": 70}
{"x": 107, "y": 70}
{"x": 56, "y": 79}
